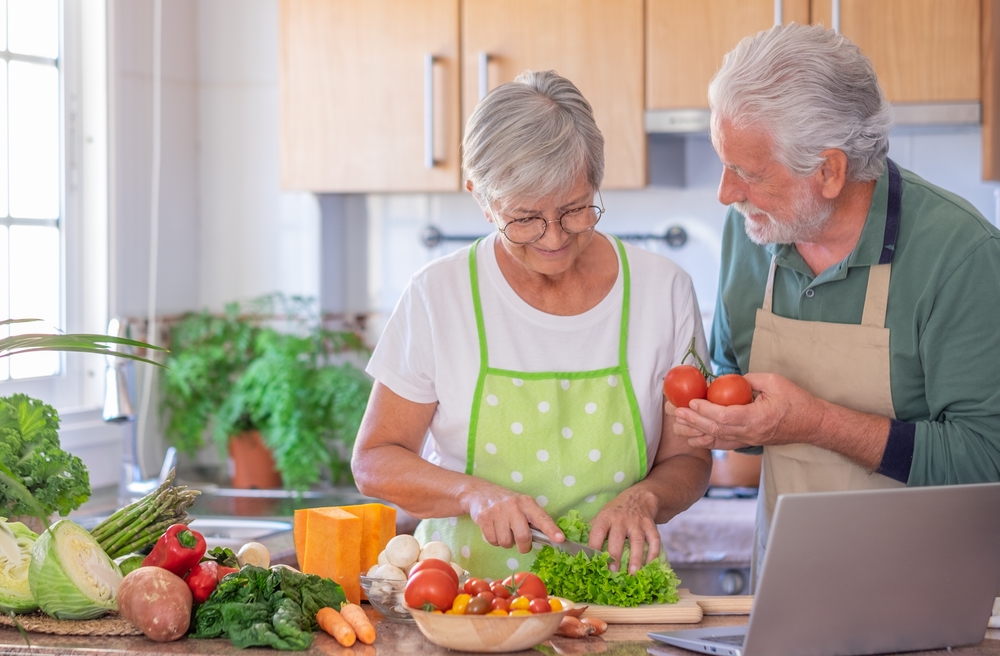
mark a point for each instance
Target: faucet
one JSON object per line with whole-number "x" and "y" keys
{"x": 119, "y": 385}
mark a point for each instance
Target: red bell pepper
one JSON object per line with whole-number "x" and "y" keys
{"x": 204, "y": 578}
{"x": 178, "y": 550}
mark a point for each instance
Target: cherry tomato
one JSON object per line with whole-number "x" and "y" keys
{"x": 555, "y": 604}
{"x": 478, "y": 606}
{"x": 501, "y": 604}
{"x": 460, "y": 603}
{"x": 540, "y": 605}
{"x": 684, "y": 383}
{"x": 474, "y": 586}
{"x": 526, "y": 583}
{"x": 497, "y": 613}
{"x": 731, "y": 389}
{"x": 519, "y": 603}
{"x": 434, "y": 563}
{"x": 519, "y": 611}
{"x": 430, "y": 589}
{"x": 487, "y": 595}
{"x": 499, "y": 589}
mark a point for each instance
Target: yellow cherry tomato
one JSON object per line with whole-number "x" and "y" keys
{"x": 520, "y": 611}
{"x": 519, "y": 603}
{"x": 461, "y": 603}
{"x": 555, "y": 604}
{"x": 496, "y": 612}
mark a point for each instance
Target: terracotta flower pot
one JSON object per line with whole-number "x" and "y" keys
{"x": 253, "y": 463}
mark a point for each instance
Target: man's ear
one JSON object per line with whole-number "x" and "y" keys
{"x": 832, "y": 173}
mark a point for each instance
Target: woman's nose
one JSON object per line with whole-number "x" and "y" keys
{"x": 731, "y": 188}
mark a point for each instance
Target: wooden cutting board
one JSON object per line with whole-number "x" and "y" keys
{"x": 689, "y": 610}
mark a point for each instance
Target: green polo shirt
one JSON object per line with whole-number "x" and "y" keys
{"x": 943, "y": 317}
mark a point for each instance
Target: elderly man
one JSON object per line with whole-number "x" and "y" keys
{"x": 861, "y": 302}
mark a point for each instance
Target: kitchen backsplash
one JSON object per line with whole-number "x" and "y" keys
{"x": 684, "y": 174}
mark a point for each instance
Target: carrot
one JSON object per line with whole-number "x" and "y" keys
{"x": 331, "y": 621}
{"x": 359, "y": 621}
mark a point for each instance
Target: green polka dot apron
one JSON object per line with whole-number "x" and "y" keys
{"x": 569, "y": 439}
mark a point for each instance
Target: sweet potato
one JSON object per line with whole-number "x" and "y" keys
{"x": 156, "y": 602}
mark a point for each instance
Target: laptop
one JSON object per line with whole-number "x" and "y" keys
{"x": 869, "y": 572}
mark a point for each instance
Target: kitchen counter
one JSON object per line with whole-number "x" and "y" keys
{"x": 396, "y": 638}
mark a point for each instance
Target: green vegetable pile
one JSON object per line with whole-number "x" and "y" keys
{"x": 266, "y": 607}
{"x": 589, "y": 580}
{"x": 30, "y": 456}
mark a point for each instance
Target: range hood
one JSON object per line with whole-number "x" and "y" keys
{"x": 691, "y": 121}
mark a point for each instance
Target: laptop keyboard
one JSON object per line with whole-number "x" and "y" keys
{"x": 727, "y": 639}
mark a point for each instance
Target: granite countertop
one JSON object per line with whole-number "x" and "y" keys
{"x": 397, "y": 638}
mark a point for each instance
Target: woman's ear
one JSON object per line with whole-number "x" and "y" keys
{"x": 832, "y": 173}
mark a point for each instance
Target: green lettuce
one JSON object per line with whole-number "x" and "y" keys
{"x": 589, "y": 580}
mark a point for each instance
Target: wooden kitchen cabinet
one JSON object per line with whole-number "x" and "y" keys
{"x": 686, "y": 41}
{"x": 356, "y": 105}
{"x": 597, "y": 44}
{"x": 923, "y": 51}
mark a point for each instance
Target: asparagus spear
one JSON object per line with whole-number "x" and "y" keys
{"x": 141, "y": 523}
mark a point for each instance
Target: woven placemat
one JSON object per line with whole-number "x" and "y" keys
{"x": 110, "y": 624}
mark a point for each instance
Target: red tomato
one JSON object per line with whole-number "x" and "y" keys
{"x": 474, "y": 586}
{"x": 429, "y": 589}
{"x": 499, "y": 603}
{"x": 731, "y": 389}
{"x": 684, "y": 383}
{"x": 499, "y": 589}
{"x": 487, "y": 595}
{"x": 435, "y": 563}
{"x": 526, "y": 584}
{"x": 540, "y": 605}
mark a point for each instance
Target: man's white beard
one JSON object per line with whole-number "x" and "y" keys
{"x": 809, "y": 215}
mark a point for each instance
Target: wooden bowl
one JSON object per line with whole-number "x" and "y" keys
{"x": 488, "y": 633}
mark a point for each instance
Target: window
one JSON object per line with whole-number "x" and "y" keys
{"x": 31, "y": 199}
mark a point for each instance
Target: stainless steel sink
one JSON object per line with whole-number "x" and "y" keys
{"x": 236, "y": 531}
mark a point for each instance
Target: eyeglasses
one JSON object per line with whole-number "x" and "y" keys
{"x": 530, "y": 229}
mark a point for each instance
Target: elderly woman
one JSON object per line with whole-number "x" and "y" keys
{"x": 522, "y": 377}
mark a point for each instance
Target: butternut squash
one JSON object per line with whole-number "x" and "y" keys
{"x": 331, "y": 547}
{"x": 378, "y": 526}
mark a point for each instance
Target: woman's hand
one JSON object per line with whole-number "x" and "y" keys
{"x": 629, "y": 516}
{"x": 506, "y": 517}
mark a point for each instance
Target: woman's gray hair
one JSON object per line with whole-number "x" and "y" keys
{"x": 811, "y": 89}
{"x": 529, "y": 138}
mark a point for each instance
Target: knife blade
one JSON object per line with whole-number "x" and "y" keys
{"x": 572, "y": 548}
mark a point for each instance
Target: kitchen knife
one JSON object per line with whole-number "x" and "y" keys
{"x": 572, "y": 548}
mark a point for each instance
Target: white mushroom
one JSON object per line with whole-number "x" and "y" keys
{"x": 436, "y": 549}
{"x": 254, "y": 553}
{"x": 390, "y": 572}
{"x": 402, "y": 551}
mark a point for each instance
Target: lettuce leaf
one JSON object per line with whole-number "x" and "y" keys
{"x": 590, "y": 581}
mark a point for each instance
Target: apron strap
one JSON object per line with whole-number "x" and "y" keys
{"x": 877, "y": 296}
{"x": 627, "y": 287}
{"x": 477, "y": 304}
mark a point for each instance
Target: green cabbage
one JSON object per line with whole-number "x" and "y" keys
{"x": 16, "y": 540}
{"x": 70, "y": 575}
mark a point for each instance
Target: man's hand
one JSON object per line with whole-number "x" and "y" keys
{"x": 781, "y": 413}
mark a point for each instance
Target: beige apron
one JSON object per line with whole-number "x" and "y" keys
{"x": 845, "y": 364}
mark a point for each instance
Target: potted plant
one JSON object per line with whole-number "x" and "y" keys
{"x": 267, "y": 377}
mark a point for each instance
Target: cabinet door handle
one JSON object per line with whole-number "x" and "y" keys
{"x": 484, "y": 73}
{"x": 429, "y": 110}
{"x": 835, "y": 18}
{"x": 778, "y": 12}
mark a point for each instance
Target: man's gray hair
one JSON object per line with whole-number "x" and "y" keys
{"x": 531, "y": 137}
{"x": 811, "y": 89}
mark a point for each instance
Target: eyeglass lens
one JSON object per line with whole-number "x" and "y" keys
{"x": 527, "y": 230}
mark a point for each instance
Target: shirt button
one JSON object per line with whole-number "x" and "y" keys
{"x": 810, "y": 293}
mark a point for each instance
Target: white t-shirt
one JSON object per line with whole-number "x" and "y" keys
{"x": 429, "y": 351}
